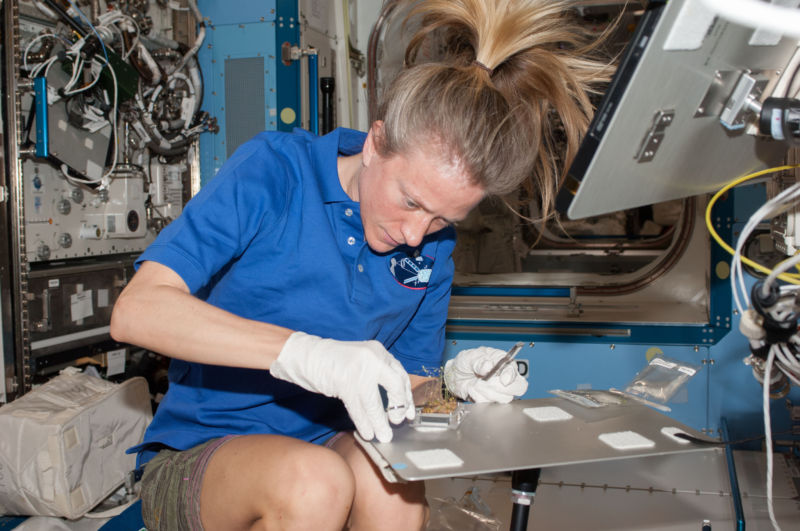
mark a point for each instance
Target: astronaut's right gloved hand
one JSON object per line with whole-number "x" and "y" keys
{"x": 352, "y": 372}
{"x": 464, "y": 376}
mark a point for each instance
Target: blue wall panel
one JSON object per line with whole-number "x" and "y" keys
{"x": 237, "y": 11}
{"x": 239, "y": 30}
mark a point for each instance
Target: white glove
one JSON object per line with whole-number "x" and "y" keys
{"x": 462, "y": 376}
{"x": 352, "y": 372}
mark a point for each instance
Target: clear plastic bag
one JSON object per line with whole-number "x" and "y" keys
{"x": 470, "y": 513}
{"x": 589, "y": 397}
{"x": 661, "y": 379}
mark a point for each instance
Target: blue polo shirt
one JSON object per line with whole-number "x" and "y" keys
{"x": 274, "y": 238}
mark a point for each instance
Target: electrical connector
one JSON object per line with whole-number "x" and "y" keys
{"x": 751, "y": 325}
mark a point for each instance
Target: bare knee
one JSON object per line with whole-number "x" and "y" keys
{"x": 320, "y": 479}
{"x": 287, "y": 484}
{"x": 315, "y": 490}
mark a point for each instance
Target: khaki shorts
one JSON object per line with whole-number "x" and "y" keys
{"x": 171, "y": 486}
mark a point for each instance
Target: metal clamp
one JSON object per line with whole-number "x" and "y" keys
{"x": 654, "y": 136}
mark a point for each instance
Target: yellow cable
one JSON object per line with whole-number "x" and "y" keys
{"x": 791, "y": 278}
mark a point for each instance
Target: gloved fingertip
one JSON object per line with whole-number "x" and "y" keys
{"x": 365, "y": 433}
{"x": 490, "y": 391}
{"x": 384, "y": 436}
{"x": 477, "y": 397}
{"x": 397, "y": 414}
{"x": 504, "y": 399}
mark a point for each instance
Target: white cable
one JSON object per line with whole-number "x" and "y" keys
{"x": 756, "y": 14}
{"x": 73, "y": 76}
{"x": 43, "y": 66}
{"x": 793, "y": 341}
{"x": 201, "y": 35}
{"x": 77, "y": 68}
{"x": 173, "y": 78}
{"x": 50, "y": 64}
{"x": 113, "y": 121}
{"x": 83, "y": 88}
{"x": 787, "y": 357}
{"x": 118, "y": 36}
{"x": 197, "y": 84}
{"x": 792, "y": 360}
{"x": 784, "y": 305}
{"x": 65, "y": 172}
{"x": 176, "y": 76}
{"x": 135, "y": 42}
{"x": 195, "y": 130}
{"x": 153, "y": 99}
{"x": 780, "y": 268}
{"x": 737, "y": 273}
{"x": 768, "y": 435}
{"x": 176, "y": 7}
{"x": 768, "y": 209}
{"x": 30, "y": 45}
{"x": 788, "y": 373}
{"x": 44, "y": 9}
{"x": 115, "y": 17}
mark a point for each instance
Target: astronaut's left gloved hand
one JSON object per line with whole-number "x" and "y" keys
{"x": 462, "y": 376}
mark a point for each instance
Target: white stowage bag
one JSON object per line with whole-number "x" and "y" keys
{"x": 62, "y": 445}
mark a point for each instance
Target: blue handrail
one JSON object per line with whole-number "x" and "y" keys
{"x": 735, "y": 494}
{"x": 42, "y": 127}
{"x": 313, "y": 95}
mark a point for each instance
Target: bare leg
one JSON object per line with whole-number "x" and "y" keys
{"x": 379, "y": 504}
{"x": 274, "y": 482}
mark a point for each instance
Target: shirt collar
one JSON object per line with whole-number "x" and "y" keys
{"x": 324, "y": 152}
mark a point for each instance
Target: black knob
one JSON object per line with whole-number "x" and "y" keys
{"x": 327, "y": 85}
{"x": 780, "y": 119}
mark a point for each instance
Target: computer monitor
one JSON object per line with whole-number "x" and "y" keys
{"x": 657, "y": 133}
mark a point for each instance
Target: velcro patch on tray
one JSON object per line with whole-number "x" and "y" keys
{"x": 436, "y": 458}
{"x": 546, "y": 413}
{"x": 670, "y": 432}
{"x": 626, "y": 440}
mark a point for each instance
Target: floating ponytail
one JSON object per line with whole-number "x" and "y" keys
{"x": 500, "y": 126}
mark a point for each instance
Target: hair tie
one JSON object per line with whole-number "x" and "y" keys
{"x": 483, "y": 66}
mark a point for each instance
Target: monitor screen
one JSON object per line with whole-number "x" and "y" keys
{"x": 657, "y": 134}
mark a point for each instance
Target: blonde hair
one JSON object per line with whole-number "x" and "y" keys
{"x": 507, "y": 69}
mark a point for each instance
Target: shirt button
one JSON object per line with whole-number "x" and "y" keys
{"x": 348, "y": 212}
{"x": 360, "y": 268}
{"x": 351, "y": 241}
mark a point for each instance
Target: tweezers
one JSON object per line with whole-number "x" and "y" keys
{"x": 512, "y": 352}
